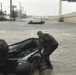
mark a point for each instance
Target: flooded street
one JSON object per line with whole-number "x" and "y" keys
{"x": 63, "y": 58}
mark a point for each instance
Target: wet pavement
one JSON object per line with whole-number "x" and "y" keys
{"x": 63, "y": 58}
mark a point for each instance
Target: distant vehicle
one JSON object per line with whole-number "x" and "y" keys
{"x": 20, "y": 58}
{"x": 41, "y": 22}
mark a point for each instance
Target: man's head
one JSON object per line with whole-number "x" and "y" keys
{"x": 40, "y": 33}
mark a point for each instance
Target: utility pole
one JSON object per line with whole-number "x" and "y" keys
{"x": 1, "y": 6}
{"x": 20, "y": 10}
{"x": 10, "y": 10}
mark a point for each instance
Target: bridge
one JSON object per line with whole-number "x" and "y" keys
{"x": 71, "y": 17}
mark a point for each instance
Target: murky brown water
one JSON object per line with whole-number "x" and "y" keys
{"x": 63, "y": 59}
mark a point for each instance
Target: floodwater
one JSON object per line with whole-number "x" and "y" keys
{"x": 63, "y": 58}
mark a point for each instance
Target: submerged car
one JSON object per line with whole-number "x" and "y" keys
{"x": 20, "y": 58}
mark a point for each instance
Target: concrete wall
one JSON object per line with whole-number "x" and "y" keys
{"x": 71, "y": 17}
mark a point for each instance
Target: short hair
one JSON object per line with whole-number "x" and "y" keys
{"x": 40, "y": 33}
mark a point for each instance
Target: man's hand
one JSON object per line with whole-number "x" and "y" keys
{"x": 39, "y": 55}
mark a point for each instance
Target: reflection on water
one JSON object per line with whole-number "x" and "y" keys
{"x": 47, "y": 72}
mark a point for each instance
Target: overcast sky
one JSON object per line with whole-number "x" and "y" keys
{"x": 41, "y": 7}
